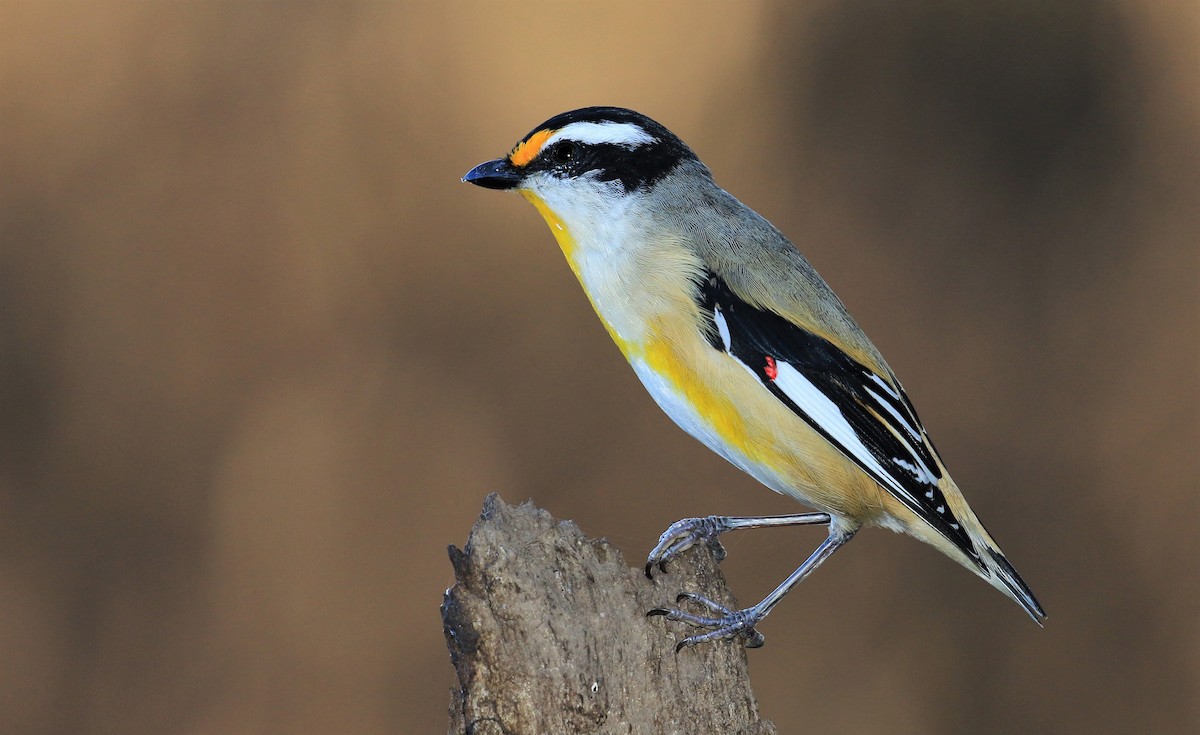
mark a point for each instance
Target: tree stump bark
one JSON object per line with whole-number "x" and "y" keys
{"x": 548, "y": 634}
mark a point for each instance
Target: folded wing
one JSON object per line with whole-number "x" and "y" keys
{"x": 866, "y": 416}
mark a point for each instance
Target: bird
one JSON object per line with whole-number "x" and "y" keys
{"x": 739, "y": 340}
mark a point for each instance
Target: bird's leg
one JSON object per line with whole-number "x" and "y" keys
{"x": 682, "y": 535}
{"x": 740, "y": 623}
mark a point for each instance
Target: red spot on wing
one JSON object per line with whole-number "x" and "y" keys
{"x": 770, "y": 368}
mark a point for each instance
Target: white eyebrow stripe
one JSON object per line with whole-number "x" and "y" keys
{"x": 627, "y": 135}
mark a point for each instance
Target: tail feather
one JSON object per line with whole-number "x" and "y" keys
{"x": 1011, "y": 583}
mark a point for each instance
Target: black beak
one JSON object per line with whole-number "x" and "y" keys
{"x": 497, "y": 174}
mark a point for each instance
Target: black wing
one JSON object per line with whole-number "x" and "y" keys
{"x": 868, "y": 419}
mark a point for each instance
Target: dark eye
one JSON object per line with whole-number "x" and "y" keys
{"x": 563, "y": 152}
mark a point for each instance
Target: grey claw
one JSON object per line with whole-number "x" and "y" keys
{"x": 731, "y": 624}
{"x": 684, "y": 534}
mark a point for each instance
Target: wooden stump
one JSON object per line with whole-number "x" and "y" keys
{"x": 548, "y": 634}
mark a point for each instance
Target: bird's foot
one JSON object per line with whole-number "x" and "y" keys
{"x": 728, "y": 624}
{"x": 683, "y": 535}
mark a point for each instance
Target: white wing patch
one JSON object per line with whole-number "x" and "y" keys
{"x": 822, "y": 410}
{"x": 723, "y": 329}
{"x": 627, "y": 135}
{"x": 828, "y": 416}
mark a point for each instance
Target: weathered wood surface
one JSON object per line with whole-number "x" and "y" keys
{"x": 548, "y": 634}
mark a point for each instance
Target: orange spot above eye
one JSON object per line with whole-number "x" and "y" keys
{"x": 527, "y": 150}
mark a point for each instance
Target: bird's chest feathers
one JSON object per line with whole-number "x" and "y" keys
{"x": 642, "y": 284}
{"x": 636, "y": 281}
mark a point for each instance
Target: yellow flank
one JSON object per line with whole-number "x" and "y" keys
{"x": 665, "y": 359}
{"x": 784, "y": 452}
{"x": 527, "y": 150}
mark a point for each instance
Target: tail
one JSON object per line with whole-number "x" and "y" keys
{"x": 1006, "y": 579}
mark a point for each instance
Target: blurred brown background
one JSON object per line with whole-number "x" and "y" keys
{"x": 262, "y": 355}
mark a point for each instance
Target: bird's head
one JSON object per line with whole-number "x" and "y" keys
{"x": 587, "y": 165}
